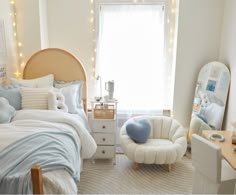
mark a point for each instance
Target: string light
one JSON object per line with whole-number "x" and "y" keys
{"x": 17, "y": 74}
{"x": 91, "y": 20}
{"x": 19, "y": 44}
{"x": 171, "y": 44}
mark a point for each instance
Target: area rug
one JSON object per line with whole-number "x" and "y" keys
{"x": 105, "y": 177}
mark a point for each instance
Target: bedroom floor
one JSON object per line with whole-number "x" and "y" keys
{"x": 102, "y": 177}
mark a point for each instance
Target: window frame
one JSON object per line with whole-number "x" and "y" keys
{"x": 167, "y": 44}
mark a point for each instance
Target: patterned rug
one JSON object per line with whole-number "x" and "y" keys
{"x": 105, "y": 177}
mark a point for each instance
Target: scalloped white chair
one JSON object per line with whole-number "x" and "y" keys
{"x": 167, "y": 142}
{"x": 212, "y": 175}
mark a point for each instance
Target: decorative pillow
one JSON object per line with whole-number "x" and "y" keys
{"x": 201, "y": 116}
{"x": 35, "y": 98}
{"x": 139, "y": 131}
{"x": 214, "y": 115}
{"x": 46, "y": 81}
{"x": 12, "y": 94}
{"x": 6, "y": 111}
{"x": 56, "y": 101}
{"x": 62, "y": 84}
{"x": 70, "y": 93}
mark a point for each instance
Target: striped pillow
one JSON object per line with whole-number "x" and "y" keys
{"x": 34, "y": 98}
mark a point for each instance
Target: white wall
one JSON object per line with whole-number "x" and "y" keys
{"x": 11, "y": 58}
{"x": 228, "y": 56}
{"x": 63, "y": 25}
{"x": 69, "y": 28}
{"x": 198, "y": 43}
{"x": 43, "y": 23}
{"x": 28, "y": 21}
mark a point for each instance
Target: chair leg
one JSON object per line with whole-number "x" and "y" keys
{"x": 169, "y": 167}
{"x": 135, "y": 166}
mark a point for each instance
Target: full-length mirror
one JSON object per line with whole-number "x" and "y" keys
{"x": 210, "y": 98}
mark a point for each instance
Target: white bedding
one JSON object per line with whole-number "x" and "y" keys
{"x": 27, "y": 122}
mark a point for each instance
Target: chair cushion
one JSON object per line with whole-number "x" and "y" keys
{"x": 166, "y": 143}
{"x": 139, "y": 131}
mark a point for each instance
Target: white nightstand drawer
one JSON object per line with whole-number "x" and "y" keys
{"x": 103, "y": 126}
{"x": 105, "y": 152}
{"x": 104, "y": 138}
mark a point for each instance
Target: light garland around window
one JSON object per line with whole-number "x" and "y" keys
{"x": 171, "y": 25}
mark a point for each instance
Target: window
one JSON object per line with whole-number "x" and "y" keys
{"x": 132, "y": 51}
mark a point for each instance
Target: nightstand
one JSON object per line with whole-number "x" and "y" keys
{"x": 103, "y": 125}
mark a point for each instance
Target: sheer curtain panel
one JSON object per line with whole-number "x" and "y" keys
{"x": 132, "y": 50}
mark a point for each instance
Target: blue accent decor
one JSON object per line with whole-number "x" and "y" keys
{"x": 12, "y": 94}
{"x": 139, "y": 131}
{"x": 213, "y": 137}
{"x": 6, "y": 111}
{"x": 201, "y": 117}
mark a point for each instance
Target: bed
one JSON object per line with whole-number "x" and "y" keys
{"x": 50, "y": 143}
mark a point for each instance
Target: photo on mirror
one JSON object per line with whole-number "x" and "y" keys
{"x": 211, "y": 85}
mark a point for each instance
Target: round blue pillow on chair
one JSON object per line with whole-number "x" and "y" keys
{"x": 139, "y": 131}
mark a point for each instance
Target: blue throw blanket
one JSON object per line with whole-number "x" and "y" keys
{"x": 52, "y": 150}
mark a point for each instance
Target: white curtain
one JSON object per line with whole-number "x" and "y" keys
{"x": 131, "y": 51}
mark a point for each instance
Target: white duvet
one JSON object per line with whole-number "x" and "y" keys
{"x": 27, "y": 122}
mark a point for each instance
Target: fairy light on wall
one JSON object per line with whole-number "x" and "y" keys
{"x": 20, "y": 55}
{"x": 171, "y": 30}
{"x": 92, "y": 26}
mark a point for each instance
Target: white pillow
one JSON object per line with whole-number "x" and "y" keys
{"x": 56, "y": 101}
{"x": 71, "y": 94}
{"x": 214, "y": 115}
{"x": 46, "y": 81}
{"x": 34, "y": 98}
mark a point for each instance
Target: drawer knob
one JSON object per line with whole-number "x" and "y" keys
{"x": 104, "y": 139}
{"x": 103, "y": 151}
{"x": 103, "y": 126}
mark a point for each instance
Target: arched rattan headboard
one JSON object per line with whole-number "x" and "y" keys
{"x": 63, "y": 65}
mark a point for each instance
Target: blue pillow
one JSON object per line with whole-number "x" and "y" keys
{"x": 201, "y": 117}
{"x": 12, "y": 94}
{"x": 6, "y": 111}
{"x": 139, "y": 131}
{"x": 79, "y": 83}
